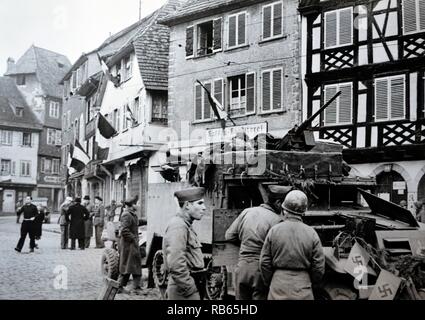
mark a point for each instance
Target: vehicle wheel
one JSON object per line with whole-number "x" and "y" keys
{"x": 335, "y": 291}
{"x": 215, "y": 285}
{"x": 160, "y": 274}
{"x": 110, "y": 264}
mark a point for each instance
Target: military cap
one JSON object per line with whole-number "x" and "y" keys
{"x": 86, "y": 198}
{"x": 130, "y": 201}
{"x": 191, "y": 194}
{"x": 98, "y": 198}
{"x": 278, "y": 192}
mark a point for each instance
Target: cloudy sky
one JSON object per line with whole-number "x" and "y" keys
{"x": 69, "y": 27}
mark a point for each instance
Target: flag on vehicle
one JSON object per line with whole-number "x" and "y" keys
{"x": 105, "y": 128}
{"x": 79, "y": 157}
{"x": 357, "y": 261}
{"x": 386, "y": 286}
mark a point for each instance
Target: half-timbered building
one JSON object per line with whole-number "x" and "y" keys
{"x": 373, "y": 51}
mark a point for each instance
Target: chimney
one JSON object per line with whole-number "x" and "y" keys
{"x": 10, "y": 64}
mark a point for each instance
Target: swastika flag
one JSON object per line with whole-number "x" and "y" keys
{"x": 386, "y": 286}
{"x": 357, "y": 261}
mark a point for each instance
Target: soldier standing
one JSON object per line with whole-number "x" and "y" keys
{"x": 77, "y": 214}
{"x": 292, "y": 257}
{"x": 64, "y": 222}
{"x": 27, "y": 227}
{"x": 99, "y": 221}
{"x": 88, "y": 224}
{"x": 182, "y": 248}
{"x": 251, "y": 228}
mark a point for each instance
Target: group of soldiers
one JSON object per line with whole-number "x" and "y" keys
{"x": 77, "y": 219}
{"x": 280, "y": 257}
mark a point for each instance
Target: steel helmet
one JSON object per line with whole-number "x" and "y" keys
{"x": 295, "y": 202}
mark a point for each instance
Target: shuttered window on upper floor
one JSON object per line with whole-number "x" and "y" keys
{"x": 272, "y": 20}
{"x": 236, "y": 30}
{"x": 206, "y": 37}
{"x": 339, "y": 27}
{"x": 413, "y": 16}
{"x": 390, "y": 98}
{"x": 340, "y": 110}
{"x": 272, "y": 90}
{"x": 203, "y": 110}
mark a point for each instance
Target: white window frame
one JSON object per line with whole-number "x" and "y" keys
{"x": 211, "y": 82}
{"x": 337, "y": 122}
{"x": 246, "y": 94}
{"x": 57, "y": 161}
{"x": 19, "y": 112}
{"x": 272, "y": 22}
{"x": 22, "y": 141}
{"x": 236, "y": 15}
{"x": 338, "y": 21}
{"x": 8, "y": 141}
{"x": 271, "y": 91}
{"x": 10, "y": 167}
{"x": 54, "y": 109}
{"x": 389, "y": 118}
{"x": 418, "y": 19}
{"x": 49, "y": 141}
{"x": 27, "y": 167}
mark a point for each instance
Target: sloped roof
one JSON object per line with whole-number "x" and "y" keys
{"x": 203, "y": 8}
{"x": 49, "y": 67}
{"x": 10, "y": 98}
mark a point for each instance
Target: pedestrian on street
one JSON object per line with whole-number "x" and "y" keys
{"x": 182, "y": 248}
{"x": 77, "y": 214}
{"x": 292, "y": 257}
{"x": 64, "y": 222}
{"x": 251, "y": 228}
{"x": 99, "y": 221}
{"x": 111, "y": 209}
{"x": 27, "y": 227}
{"x": 88, "y": 224}
{"x": 38, "y": 224}
{"x": 130, "y": 258}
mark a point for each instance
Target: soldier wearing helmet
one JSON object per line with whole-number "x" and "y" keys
{"x": 292, "y": 257}
{"x": 250, "y": 228}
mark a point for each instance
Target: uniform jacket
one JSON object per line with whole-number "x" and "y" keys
{"x": 99, "y": 215}
{"x": 182, "y": 250}
{"x": 63, "y": 218}
{"x": 251, "y": 228}
{"x": 130, "y": 258}
{"x": 88, "y": 224}
{"x": 294, "y": 247}
{"x": 30, "y": 211}
{"x": 77, "y": 214}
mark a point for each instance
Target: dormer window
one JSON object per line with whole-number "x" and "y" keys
{"x": 19, "y": 112}
{"x": 21, "y": 80}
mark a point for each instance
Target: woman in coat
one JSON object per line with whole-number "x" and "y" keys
{"x": 130, "y": 258}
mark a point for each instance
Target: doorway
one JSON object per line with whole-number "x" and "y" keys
{"x": 391, "y": 187}
{"x": 9, "y": 201}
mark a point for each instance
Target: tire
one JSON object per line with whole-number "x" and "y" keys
{"x": 160, "y": 274}
{"x": 110, "y": 264}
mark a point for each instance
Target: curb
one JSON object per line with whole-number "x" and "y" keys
{"x": 52, "y": 231}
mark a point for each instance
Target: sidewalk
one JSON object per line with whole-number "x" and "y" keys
{"x": 53, "y": 226}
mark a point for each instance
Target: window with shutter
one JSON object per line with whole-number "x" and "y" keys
{"x": 232, "y": 32}
{"x": 390, "y": 98}
{"x": 241, "y": 28}
{"x": 272, "y": 93}
{"x": 237, "y": 30}
{"x": 207, "y": 106}
{"x": 339, "y": 111}
{"x": 413, "y": 16}
{"x": 339, "y": 27}
{"x": 277, "y": 89}
{"x": 250, "y": 93}
{"x": 13, "y": 171}
{"x": 198, "y": 102}
{"x": 218, "y": 91}
{"x": 217, "y": 35}
{"x": 189, "y": 41}
{"x": 272, "y": 20}
{"x": 203, "y": 109}
{"x": 266, "y": 91}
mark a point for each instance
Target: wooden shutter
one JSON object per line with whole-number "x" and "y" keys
{"x": 345, "y": 103}
{"x": 42, "y": 165}
{"x": 207, "y": 105}
{"x": 422, "y": 14}
{"x": 189, "y": 41}
{"x": 277, "y": 89}
{"x": 330, "y": 29}
{"x": 13, "y": 168}
{"x": 232, "y": 31}
{"x": 345, "y": 26}
{"x": 241, "y": 28}
{"x": 198, "y": 102}
{"x": 218, "y": 91}
{"x": 409, "y": 16}
{"x": 266, "y": 91}
{"x": 267, "y": 22}
{"x": 330, "y": 111}
{"x": 381, "y": 99}
{"x": 217, "y": 34}
{"x": 250, "y": 92}
{"x": 397, "y": 98}
{"x": 277, "y": 19}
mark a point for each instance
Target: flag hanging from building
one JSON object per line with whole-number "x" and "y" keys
{"x": 105, "y": 128}
{"x": 101, "y": 153}
{"x": 107, "y": 73}
{"x": 130, "y": 115}
{"x": 79, "y": 157}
